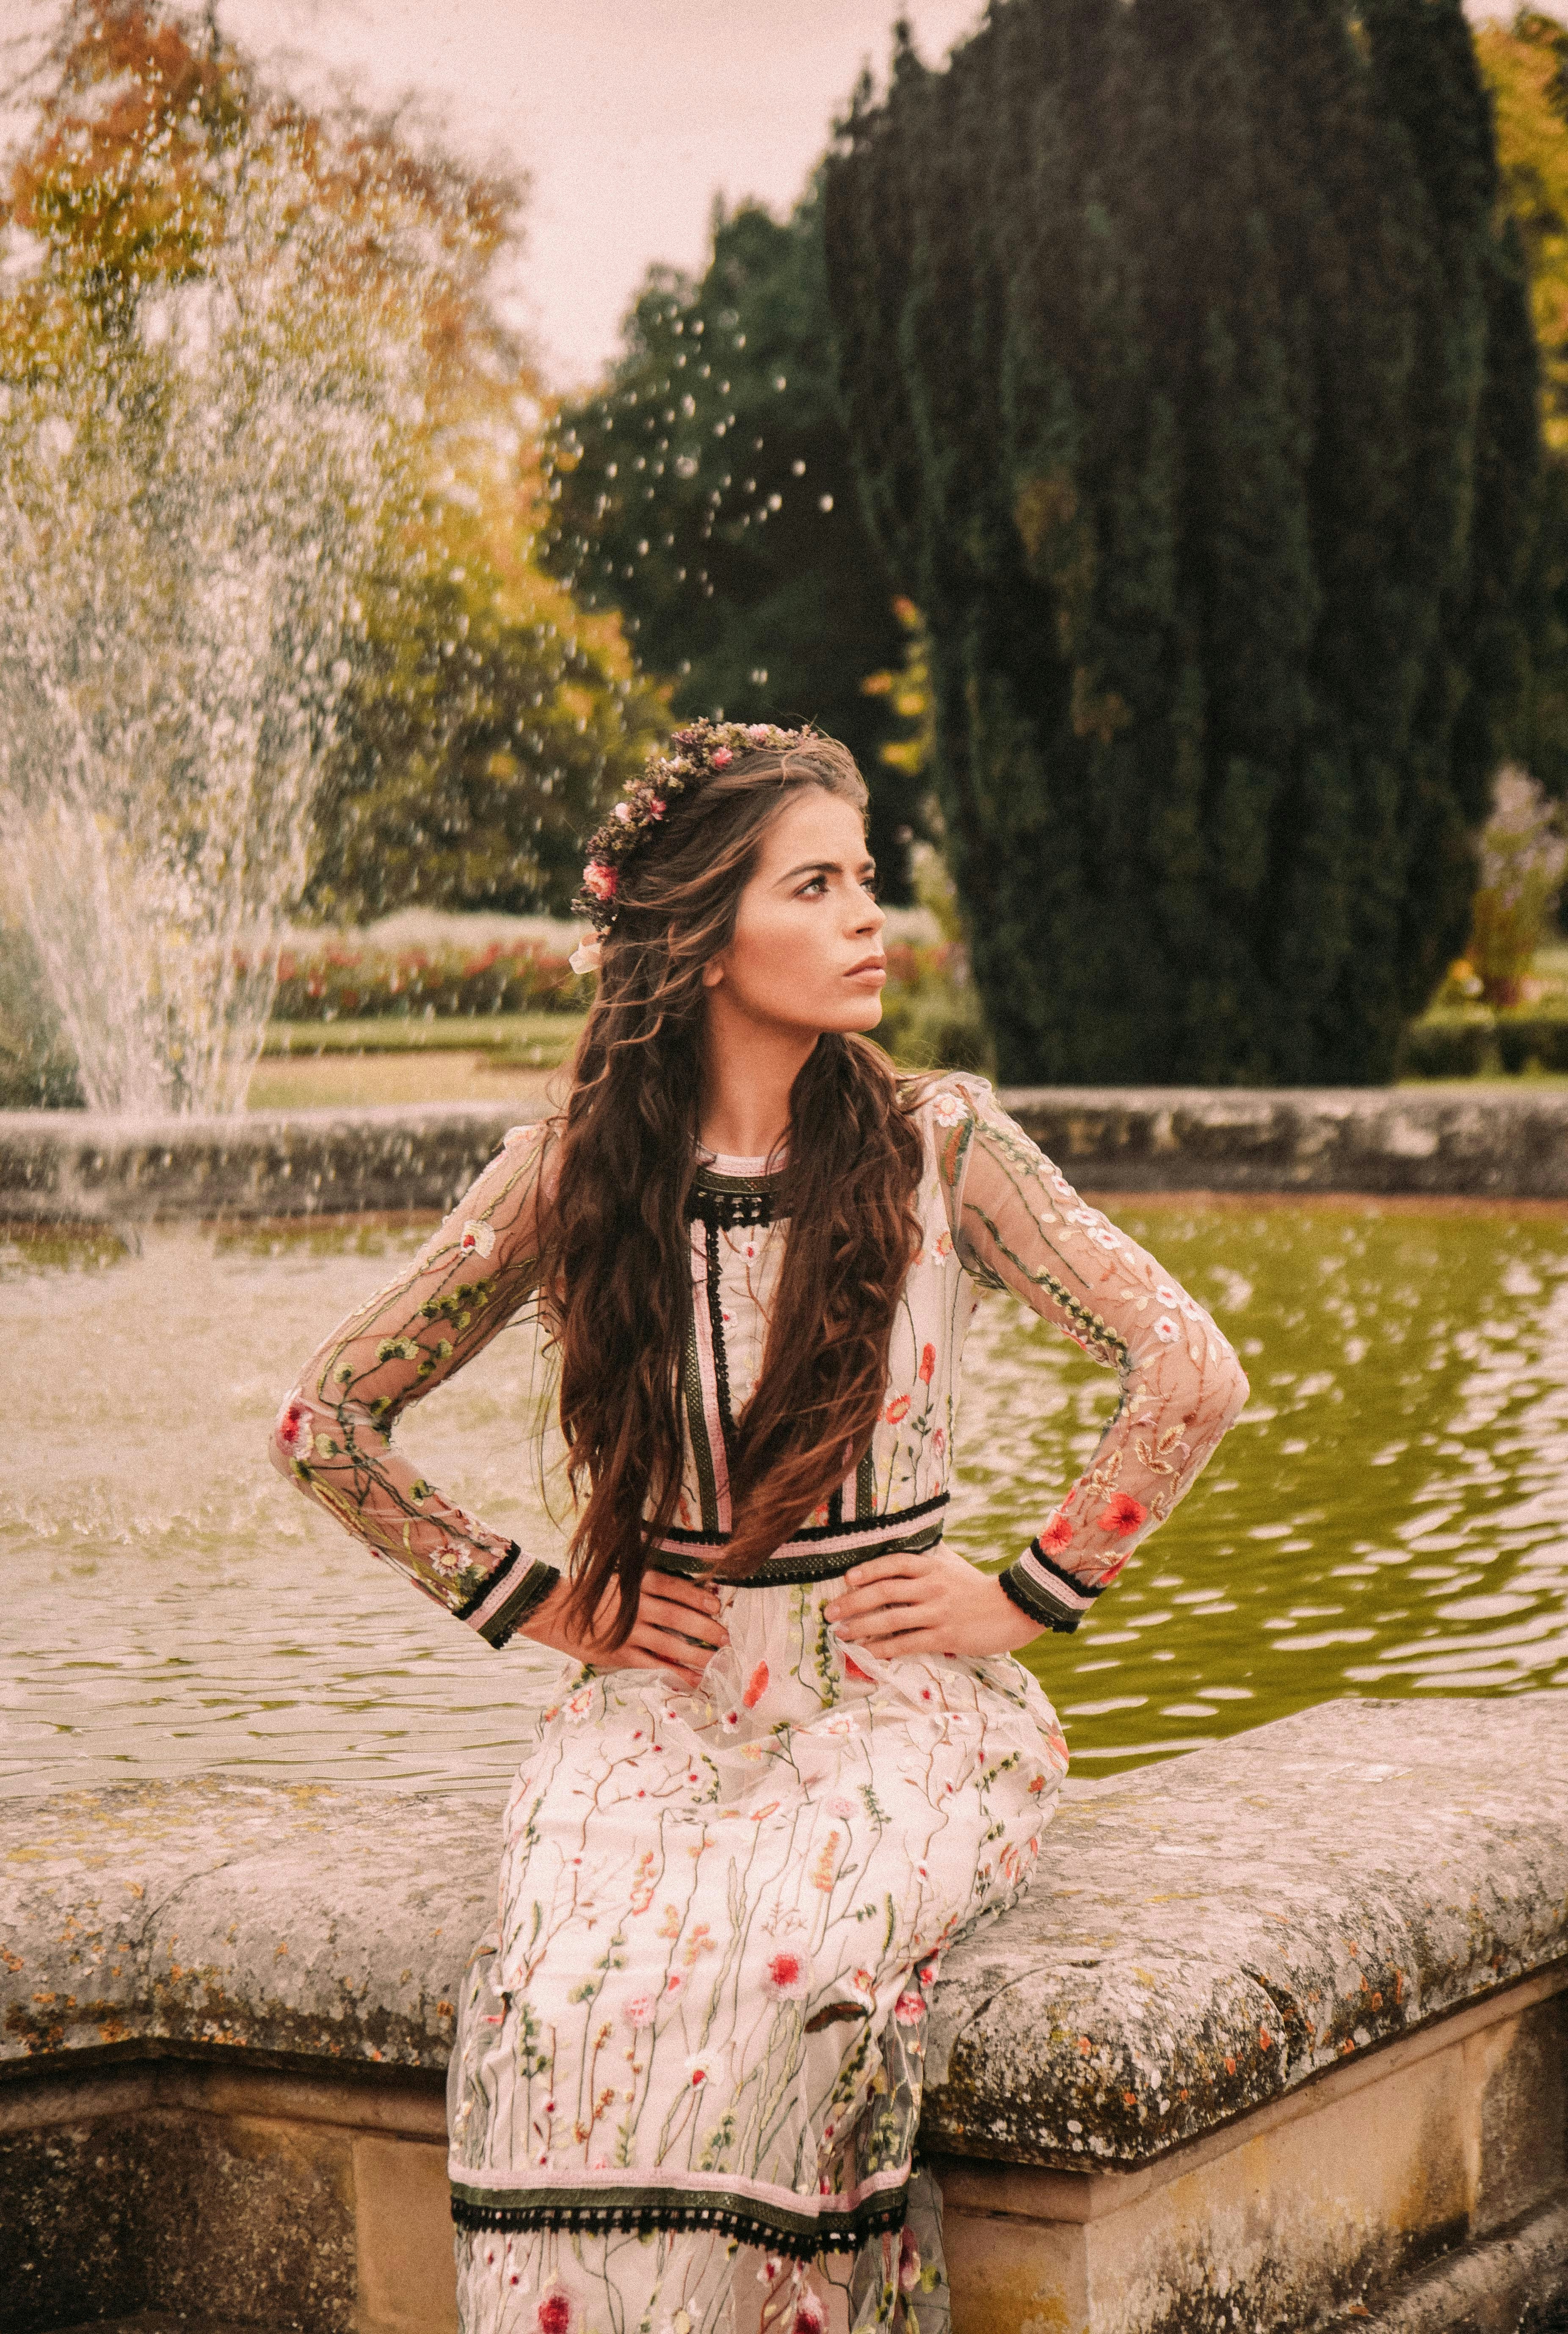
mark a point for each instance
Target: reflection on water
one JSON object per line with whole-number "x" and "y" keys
{"x": 1390, "y": 1516}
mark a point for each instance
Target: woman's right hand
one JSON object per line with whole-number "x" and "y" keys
{"x": 676, "y": 1631}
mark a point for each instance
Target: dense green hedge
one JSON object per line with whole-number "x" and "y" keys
{"x": 1470, "y": 1044}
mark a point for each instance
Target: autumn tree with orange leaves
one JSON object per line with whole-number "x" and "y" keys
{"x": 472, "y": 719}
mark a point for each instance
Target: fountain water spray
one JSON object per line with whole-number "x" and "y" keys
{"x": 190, "y": 498}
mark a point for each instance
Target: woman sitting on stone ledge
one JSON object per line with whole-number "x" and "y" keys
{"x": 798, "y": 1761}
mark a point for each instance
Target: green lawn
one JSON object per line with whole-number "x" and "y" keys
{"x": 537, "y": 1040}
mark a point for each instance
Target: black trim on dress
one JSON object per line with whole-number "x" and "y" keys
{"x": 590, "y": 2213}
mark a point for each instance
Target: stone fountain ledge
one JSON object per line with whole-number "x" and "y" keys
{"x": 1277, "y": 2033}
{"x": 1465, "y": 1142}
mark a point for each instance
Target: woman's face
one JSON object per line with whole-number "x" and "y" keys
{"x": 807, "y": 949}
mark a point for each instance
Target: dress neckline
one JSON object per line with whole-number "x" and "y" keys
{"x": 731, "y": 1162}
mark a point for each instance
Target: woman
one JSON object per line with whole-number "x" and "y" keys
{"x": 798, "y": 1763}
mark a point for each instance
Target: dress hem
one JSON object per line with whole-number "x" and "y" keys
{"x": 800, "y": 2236}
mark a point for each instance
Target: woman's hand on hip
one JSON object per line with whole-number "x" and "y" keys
{"x": 676, "y": 1631}
{"x": 934, "y": 1603}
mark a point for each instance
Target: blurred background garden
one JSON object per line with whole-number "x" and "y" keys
{"x": 1144, "y": 442}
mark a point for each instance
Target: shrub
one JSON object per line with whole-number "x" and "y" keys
{"x": 1523, "y": 856}
{"x": 1541, "y": 1039}
{"x": 932, "y": 1016}
{"x": 37, "y": 1066}
{"x": 1447, "y": 1046}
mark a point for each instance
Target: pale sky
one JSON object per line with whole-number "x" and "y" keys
{"x": 628, "y": 115}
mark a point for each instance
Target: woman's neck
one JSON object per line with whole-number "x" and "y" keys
{"x": 749, "y": 1070}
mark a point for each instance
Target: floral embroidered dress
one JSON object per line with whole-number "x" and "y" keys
{"x": 687, "y": 2082}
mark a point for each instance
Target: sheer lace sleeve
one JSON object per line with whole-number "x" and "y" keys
{"x": 1018, "y": 1224}
{"x": 333, "y": 1433}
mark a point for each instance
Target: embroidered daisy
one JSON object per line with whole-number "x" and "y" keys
{"x": 910, "y": 2009}
{"x": 639, "y": 2010}
{"x": 698, "y": 2068}
{"x": 1166, "y": 1330}
{"x": 477, "y": 1239}
{"x": 947, "y": 1110}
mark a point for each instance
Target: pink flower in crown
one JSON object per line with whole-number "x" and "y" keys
{"x": 624, "y": 812}
{"x": 758, "y": 733}
{"x": 657, "y": 806}
{"x": 599, "y": 880}
{"x": 721, "y": 757}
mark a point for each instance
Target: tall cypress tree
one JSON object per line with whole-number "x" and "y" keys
{"x": 1189, "y": 374}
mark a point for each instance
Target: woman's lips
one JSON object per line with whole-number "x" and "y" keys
{"x": 877, "y": 964}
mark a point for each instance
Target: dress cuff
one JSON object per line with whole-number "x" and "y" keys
{"x": 1056, "y": 1599}
{"x": 512, "y": 1593}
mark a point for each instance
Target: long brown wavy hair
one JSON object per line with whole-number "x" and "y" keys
{"x": 616, "y": 1257}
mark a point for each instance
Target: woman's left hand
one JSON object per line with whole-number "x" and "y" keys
{"x": 934, "y": 1603}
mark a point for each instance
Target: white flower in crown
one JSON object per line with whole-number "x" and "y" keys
{"x": 588, "y": 957}
{"x": 477, "y": 1240}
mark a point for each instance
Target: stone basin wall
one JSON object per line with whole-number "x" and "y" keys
{"x": 1461, "y": 1141}
{"x": 1276, "y": 2037}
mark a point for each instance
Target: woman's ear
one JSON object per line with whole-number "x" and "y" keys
{"x": 713, "y": 972}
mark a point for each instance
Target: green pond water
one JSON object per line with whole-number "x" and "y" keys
{"x": 1390, "y": 1517}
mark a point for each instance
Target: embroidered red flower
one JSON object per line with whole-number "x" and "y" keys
{"x": 897, "y": 1408}
{"x": 756, "y": 1687}
{"x": 1123, "y": 1514}
{"x": 1056, "y": 1534}
{"x": 293, "y": 1427}
{"x": 555, "y": 2314}
{"x": 852, "y": 1669}
{"x": 927, "y": 1363}
{"x": 788, "y": 1975}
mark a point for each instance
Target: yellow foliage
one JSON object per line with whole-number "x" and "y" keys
{"x": 1525, "y": 67}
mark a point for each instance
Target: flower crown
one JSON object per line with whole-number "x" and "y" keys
{"x": 695, "y": 751}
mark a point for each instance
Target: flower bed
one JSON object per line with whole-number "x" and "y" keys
{"x": 342, "y": 982}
